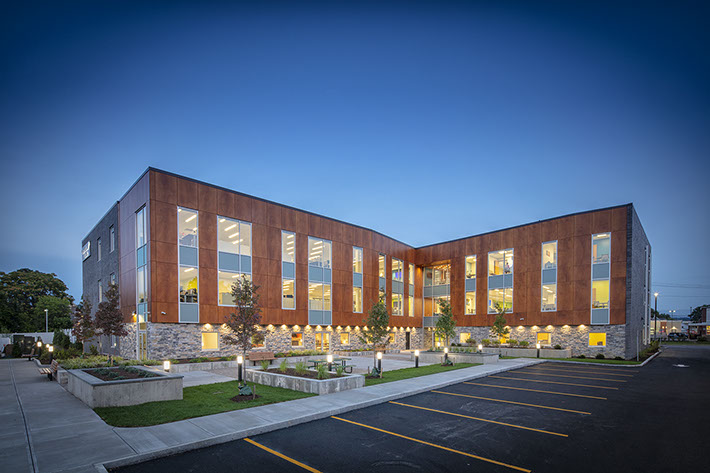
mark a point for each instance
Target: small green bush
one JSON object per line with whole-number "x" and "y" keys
{"x": 265, "y": 365}
{"x": 558, "y": 347}
{"x": 524, "y": 343}
{"x": 283, "y": 366}
{"x": 599, "y": 356}
{"x": 702, "y": 339}
{"x": 199, "y": 359}
{"x": 93, "y": 351}
{"x": 581, "y": 356}
{"x": 299, "y": 353}
{"x": 67, "y": 353}
{"x": 339, "y": 370}
{"x": 486, "y": 342}
{"x": 301, "y": 367}
{"x": 322, "y": 371}
{"x": 471, "y": 341}
{"x": 78, "y": 346}
{"x": 60, "y": 340}
{"x": 495, "y": 343}
{"x": 512, "y": 343}
{"x": 101, "y": 361}
{"x": 619, "y": 358}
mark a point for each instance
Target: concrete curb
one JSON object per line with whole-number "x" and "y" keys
{"x": 604, "y": 364}
{"x": 140, "y": 458}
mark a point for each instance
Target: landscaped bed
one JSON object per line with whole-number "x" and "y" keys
{"x": 197, "y": 401}
{"x": 406, "y": 373}
{"x": 114, "y": 374}
{"x": 303, "y": 373}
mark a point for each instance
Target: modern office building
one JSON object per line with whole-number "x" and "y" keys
{"x": 174, "y": 245}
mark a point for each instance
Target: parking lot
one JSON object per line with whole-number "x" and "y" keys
{"x": 553, "y": 417}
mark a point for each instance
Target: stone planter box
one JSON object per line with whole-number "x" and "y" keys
{"x": 530, "y": 352}
{"x": 438, "y": 357}
{"x": 362, "y": 353}
{"x": 306, "y": 385}
{"x": 124, "y": 392}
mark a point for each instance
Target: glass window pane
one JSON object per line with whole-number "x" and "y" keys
{"x": 315, "y": 296}
{"x": 471, "y": 303}
{"x": 188, "y": 284}
{"x": 296, "y": 339}
{"x": 112, "y": 239}
{"x": 357, "y": 260}
{"x": 495, "y": 263}
{"x": 289, "y": 294}
{"x": 428, "y": 276}
{"x": 316, "y": 252}
{"x": 326, "y": 296}
{"x": 549, "y": 255}
{"x": 141, "y": 280}
{"x": 187, "y": 227}
{"x": 508, "y": 265}
{"x": 98, "y": 248}
{"x": 381, "y": 265}
{"x": 397, "y": 301}
{"x": 288, "y": 247}
{"x": 543, "y": 338}
{"x": 411, "y": 306}
{"x": 600, "y": 294}
{"x": 210, "y": 341}
{"x": 227, "y": 235}
{"x": 397, "y": 270}
{"x": 345, "y": 338}
{"x": 549, "y": 297}
{"x": 464, "y": 336}
{"x": 428, "y": 306}
{"x": 500, "y": 298}
{"x": 225, "y": 280}
{"x": 326, "y": 254}
{"x": 601, "y": 248}
{"x": 101, "y": 292}
{"x": 597, "y": 339}
{"x": 357, "y": 299}
{"x": 140, "y": 227}
{"x": 437, "y": 307}
{"x": 245, "y": 238}
{"x": 411, "y": 274}
{"x": 470, "y": 267}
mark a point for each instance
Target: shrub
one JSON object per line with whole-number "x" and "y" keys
{"x": 45, "y": 357}
{"x": 78, "y": 346}
{"x": 619, "y": 358}
{"x": 16, "y": 350}
{"x": 199, "y": 359}
{"x": 93, "y": 350}
{"x": 512, "y": 342}
{"x": 581, "y": 356}
{"x": 558, "y": 347}
{"x": 283, "y": 366}
{"x": 339, "y": 370}
{"x": 66, "y": 354}
{"x": 301, "y": 367}
{"x": 60, "y": 340}
{"x": 495, "y": 343}
{"x": 265, "y": 365}
{"x": 102, "y": 361}
{"x": 599, "y": 356}
{"x": 702, "y": 339}
{"x": 471, "y": 341}
{"x": 524, "y": 343}
{"x": 299, "y": 353}
{"x": 322, "y": 371}
{"x": 486, "y": 342}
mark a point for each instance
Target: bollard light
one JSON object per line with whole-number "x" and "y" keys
{"x": 166, "y": 365}
{"x": 51, "y": 348}
{"x": 379, "y": 355}
{"x": 240, "y": 361}
{"x": 446, "y": 350}
{"x": 446, "y": 354}
{"x": 537, "y": 345}
{"x": 480, "y": 347}
{"x": 379, "y": 362}
{"x": 416, "y": 358}
{"x": 329, "y": 359}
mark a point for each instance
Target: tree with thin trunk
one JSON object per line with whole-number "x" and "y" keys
{"x": 83, "y": 328}
{"x": 499, "y": 329}
{"x": 375, "y": 333}
{"x": 445, "y": 327}
{"x": 243, "y": 323}
{"x": 109, "y": 319}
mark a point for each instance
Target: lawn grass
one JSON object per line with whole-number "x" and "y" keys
{"x": 406, "y": 373}
{"x": 583, "y": 360}
{"x": 197, "y": 401}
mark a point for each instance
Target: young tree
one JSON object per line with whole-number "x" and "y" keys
{"x": 498, "y": 329}
{"x": 83, "y": 323}
{"x": 109, "y": 319}
{"x": 377, "y": 321}
{"x": 446, "y": 325}
{"x": 243, "y": 323}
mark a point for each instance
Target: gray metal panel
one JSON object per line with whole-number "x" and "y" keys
{"x": 227, "y": 261}
{"x": 430, "y": 321}
{"x": 470, "y": 285}
{"x": 288, "y": 270}
{"x": 383, "y": 284}
{"x": 441, "y": 290}
{"x": 315, "y": 317}
{"x": 327, "y": 275}
{"x": 508, "y": 280}
{"x": 246, "y": 264}
{"x": 600, "y": 316}
{"x": 327, "y": 317}
{"x": 549, "y": 276}
{"x": 189, "y": 313}
{"x": 428, "y": 291}
{"x": 496, "y": 282}
{"x": 315, "y": 273}
{"x": 188, "y": 255}
{"x": 411, "y": 289}
{"x": 600, "y": 271}
{"x": 357, "y": 279}
{"x": 397, "y": 287}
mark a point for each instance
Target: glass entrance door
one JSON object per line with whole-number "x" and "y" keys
{"x": 407, "y": 341}
{"x": 142, "y": 345}
{"x": 322, "y": 341}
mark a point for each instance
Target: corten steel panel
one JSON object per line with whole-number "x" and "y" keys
{"x": 207, "y": 232}
{"x": 208, "y": 259}
{"x": 583, "y": 295}
{"x": 163, "y": 187}
{"x": 289, "y": 221}
{"x": 565, "y": 297}
{"x": 207, "y": 198}
{"x": 187, "y": 194}
{"x": 258, "y": 242}
{"x": 273, "y": 243}
{"x": 225, "y": 203}
{"x": 273, "y": 267}
{"x": 618, "y": 219}
{"x": 166, "y": 288}
{"x": 165, "y": 227}
{"x": 164, "y": 252}
{"x": 343, "y": 277}
{"x": 243, "y": 208}
{"x": 565, "y": 228}
{"x": 548, "y": 231}
{"x": 338, "y": 233}
{"x": 170, "y": 309}
{"x": 601, "y": 221}
{"x": 273, "y": 300}
{"x": 209, "y": 313}
{"x": 318, "y": 227}
{"x": 583, "y": 250}
{"x": 582, "y": 224}
{"x": 259, "y": 266}
{"x": 208, "y": 287}
{"x": 618, "y": 247}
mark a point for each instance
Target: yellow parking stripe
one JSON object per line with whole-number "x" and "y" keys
{"x": 435, "y": 445}
{"x": 281, "y": 455}
{"x": 569, "y": 376}
{"x": 479, "y": 419}
{"x": 514, "y": 402}
{"x": 542, "y": 368}
{"x": 556, "y": 382}
{"x": 535, "y": 390}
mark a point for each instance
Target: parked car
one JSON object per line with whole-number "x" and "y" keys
{"x": 677, "y": 336}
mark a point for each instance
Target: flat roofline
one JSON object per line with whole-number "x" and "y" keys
{"x": 100, "y": 220}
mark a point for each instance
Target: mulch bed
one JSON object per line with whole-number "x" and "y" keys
{"x": 115, "y": 374}
{"x": 307, "y": 374}
{"x": 239, "y": 398}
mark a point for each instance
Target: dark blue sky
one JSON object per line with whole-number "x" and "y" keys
{"x": 426, "y": 121}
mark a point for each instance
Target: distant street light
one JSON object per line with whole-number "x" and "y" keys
{"x": 46, "y": 320}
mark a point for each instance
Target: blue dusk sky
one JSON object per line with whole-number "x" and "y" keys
{"x": 426, "y": 121}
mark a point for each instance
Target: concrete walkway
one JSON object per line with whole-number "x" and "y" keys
{"x": 49, "y": 430}
{"x": 198, "y": 378}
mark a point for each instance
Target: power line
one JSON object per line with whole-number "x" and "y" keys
{"x": 682, "y": 286}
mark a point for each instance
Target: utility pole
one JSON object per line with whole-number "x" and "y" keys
{"x": 655, "y": 316}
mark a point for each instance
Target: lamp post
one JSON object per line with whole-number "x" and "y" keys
{"x": 329, "y": 358}
{"x": 416, "y": 358}
{"x": 655, "y": 316}
{"x": 446, "y": 354}
{"x": 537, "y": 345}
{"x": 46, "y": 320}
{"x": 240, "y": 361}
{"x": 379, "y": 362}
{"x": 51, "y": 354}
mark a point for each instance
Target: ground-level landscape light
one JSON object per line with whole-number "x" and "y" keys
{"x": 537, "y": 345}
{"x": 329, "y": 359}
{"x": 446, "y": 354}
{"x": 166, "y": 365}
{"x": 416, "y": 358}
{"x": 379, "y": 361}
{"x": 240, "y": 361}
{"x": 480, "y": 347}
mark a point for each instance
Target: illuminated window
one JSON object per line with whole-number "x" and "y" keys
{"x": 187, "y": 227}
{"x": 188, "y": 259}
{"x": 543, "y": 338}
{"x": 392, "y": 336}
{"x": 549, "y": 297}
{"x": 357, "y": 300}
{"x": 188, "y": 284}
{"x": 225, "y": 281}
{"x": 397, "y": 304}
{"x": 345, "y": 338}
{"x": 101, "y": 292}
{"x": 397, "y": 270}
{"x": 357, "y": 260}
{"x": 111, "y": 239}
{"x": 597, "y": 339}
{"x": 411, "y": 275}
{"x": 601, "y": 269}
{"x": 600, "y": 294}
{"x": 500, "y": 281}
{"x": 288, "y": 294}
{"x": 471, "y": 303}
{"x": 210, "y": 341}
{"x": 549, "y": 255}
{"x": 318, "y": 296}
{"x": 500, "y": 262}
{"x": 288, "y": 270}
{"x": 381, "y": 265}
{"x": 296, "y": 339}
{"x": 288, "y": 247}
{"x": 357, "y": 279}
{"x": 601, "y": 248}
{"x": 464, "y": 336}
{"x": 548, "y": 275}
{"x": 470, "y": 267}
{"x": 411, "y": 306}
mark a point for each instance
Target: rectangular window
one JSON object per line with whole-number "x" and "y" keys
{"x": 140, "y": 228}
{"x": 471, "y": 303}
{"x": 187, "y": 227}
{"x": 210, "y": 341}
{"x": 188, "y": 284}
{"x": 397, "y": 304}
{"x": 225, "y": 280}
{"x": 549, "y": 255}
{"x": 319, "y": 252}
{"x": 500, "y": 262}
{"x": 111, "y": 239}
{"x": 188, "y": 264}
{"x": 288, "y": 294}
{"x": 345, "y": 338}
{"x": 112, "y": 278}
{"x": 288, "y": 247}
{"x": 397, "y": 270}
{"x": 392, "y": 337}
{"x": 600, "y": 294}
{"x": 464, "y": 336}
{"x": 357, "y": 300}
{"x": 141, "y": 292}
{"x": 113, "y": 341}
{"x": 98, "y": 249}
{"x": 411, "y": 274}
{"x": 288, "y": 270}
{"x": 500, "y": 281}
{"x": 233, "y": 238}
{"x": 601, "y": 248}
{"x": 101, "y": 292}
{"x": 86, "y": 250}
{"x": 141, "y": 271}
{"x": 320, "y": 276}
{"x": 442, "y": 274}
{"x": 318, "y": 296}
{"x": 601, "y": 265}
{"x": 381, "y": 259}
{"x": 548, "y": 277}
{"x": 257, "y": 340}
{"x": 549, "y": 297}
{"x": 411, "y": 306}
{"x": 357, "y": 260}
{"x": 470, "y": 267}
{"x": 543, "y": 338}
{"x": 597, "y": 339}
{"x": 296, "y": 339}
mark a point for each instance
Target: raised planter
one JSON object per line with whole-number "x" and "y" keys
{"x": 362, "y": 353}
{"x": 215, "y": 365}
{"x": 125, "y": 392}
{"x": 306, "y": 385}
{"x": 529, "y": 352}
{"x": 438, "y": 357}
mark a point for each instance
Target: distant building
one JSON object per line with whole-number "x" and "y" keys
{"x": 701, "y": 328}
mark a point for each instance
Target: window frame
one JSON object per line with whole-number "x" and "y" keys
{"x": 98, "y": 249}
{"x": 111, "y": 239}
{"x": 401, "y": 265}
{"x": 181, "y": 265}
{"x": 489, "y": 309}
{"x": 542, "y": 269}
{"x": 589, "y": 339}
{"x": 592, "y": 280}
{"x": 283, "y": 279}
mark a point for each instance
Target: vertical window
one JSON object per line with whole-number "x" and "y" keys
{"x": 397, "y": 287}
{"x": 357, "y": 279}
{"x": 601, "y": 252}
{"x": 345, "y": 338}
{"x": 411, "y": 305}
{"x": 111, "y": 239}
{"x": 500, "y": 281}
{"x": 381, "y": 271}
{"x": 601, "y": 248}
{"x": 101, "y": 292}
{"x": 411, "y": 290}
{"x": 233, "y": 256}
{"x": 98, "y": 249}
{"x": 470, "y": 306}
{"x": 319, "y": 297}
{"x": 188, "y": 278}
{"x": 319, "y": 281}
{"x": 141, "y": 269}
{"x": 288, "y": 270}
{"x": 397, "y": 270}
{"x": 319, "y": 252}
{"x": 397, "y": 304}
{"x": 436, "y": 288}
{"x": 411, "y": 274}
{"x": 112, "y": 278}
{"x": 548, "y": 277}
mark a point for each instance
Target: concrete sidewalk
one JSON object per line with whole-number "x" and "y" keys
{"x": 64, "y": 435}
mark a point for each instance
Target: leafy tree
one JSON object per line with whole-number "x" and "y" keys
{"x": 58, "y": 312}
{"x": 697, "y": 313}
{"x": 446, "y": 325}
{"x": 499, "y": 329}
{"x": 83, "y": 328}
{"x": 377, "y": 321}
{"x": 657, "y": 315}
{"x": 243, "y": 323}
{"x": 20, "y": 292}
{"x": 109, "y": 319}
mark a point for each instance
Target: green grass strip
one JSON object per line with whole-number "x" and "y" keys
{"x": 406, "y": 373}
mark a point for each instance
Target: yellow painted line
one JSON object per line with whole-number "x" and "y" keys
{"x": 556, "y": 382}
{"x": 495, "y": 462}
{"x": 570, "y": 376}
{"x": 479, "y": 419}
{"x": 281, "y": 455}
{"x": 541, "y": 368}
{"x": 535, "y": 390}
{"x": 514, "y": 402}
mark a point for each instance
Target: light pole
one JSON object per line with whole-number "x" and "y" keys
{"x": 655, "y": 316}
{"x": 46, "y": 320}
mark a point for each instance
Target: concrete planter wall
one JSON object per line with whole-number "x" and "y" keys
{"x": 306, "y": 385}
{"x": 125, "y": 392}
{"x": 530, "y": 352}
{"x": 215, "y": 365}
{"x": 438, "y": 357}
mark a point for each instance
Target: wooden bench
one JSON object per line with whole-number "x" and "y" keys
{"x": 51, "y": 371}
{"x": 30, "y": 355}
{"x": 255, "y": 356}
